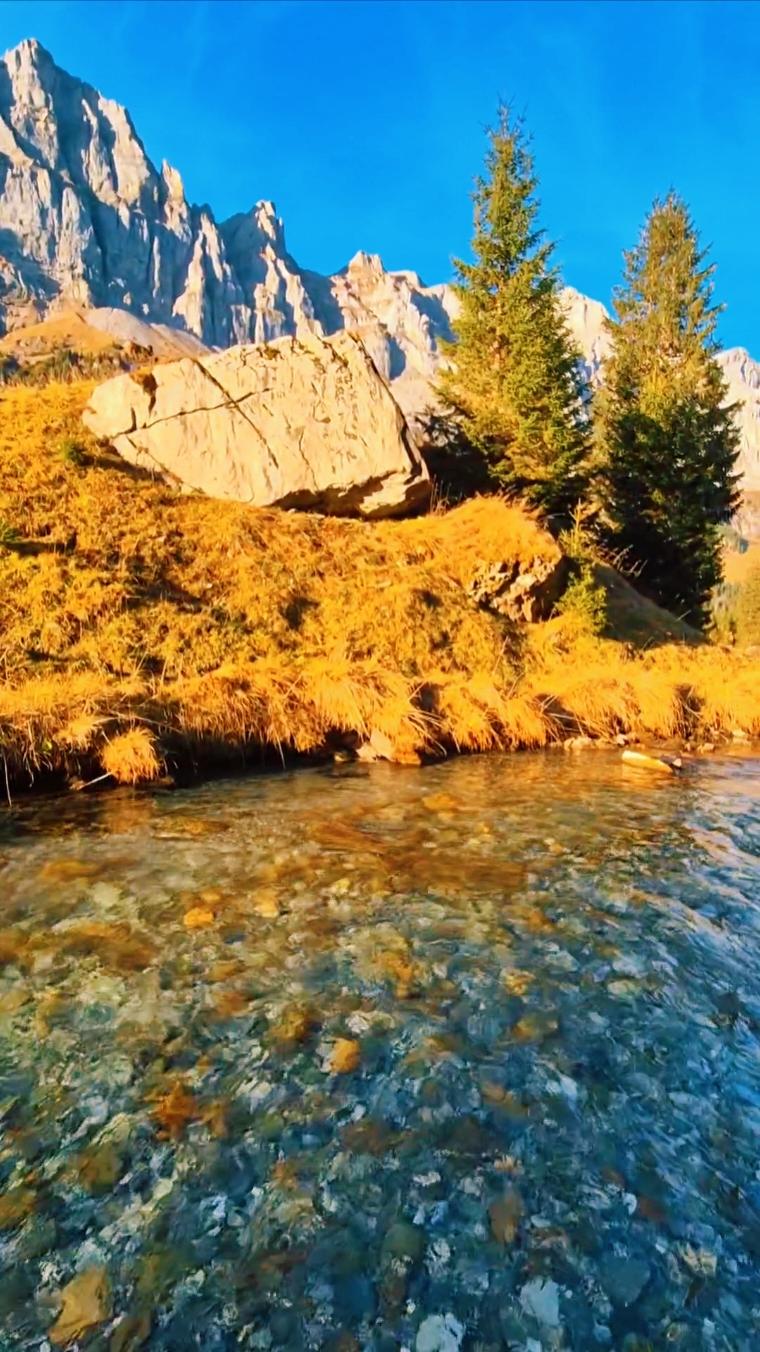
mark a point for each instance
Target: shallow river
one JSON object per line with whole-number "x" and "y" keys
{"x": 371, "y": 1058}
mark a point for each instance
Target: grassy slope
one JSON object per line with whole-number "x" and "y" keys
{"x": 67, "y": 330}
{"x": 137, "y": 624}
{"x": 634, "y": 618}
{"x": 737, "y": 567}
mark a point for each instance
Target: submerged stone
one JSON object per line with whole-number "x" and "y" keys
{"x": 346, "y": 1056}
{"x": 37, "y": 1236}
{"x": 439, "y": 1333}
{"x": 132, "y": 1332}
{"x": 535, "y": 1026}
{"x": 198, "y": 917}
{"x": 86, "y": 1302}
{"x": 624, "y": 1279}
{"x": 504, "y": 1215}
{"x": 404, "y": 1241}
{"x": 174, "y": 1110}
{"x": 100, "y": 1167}
{"x": 293, "y": 1026}
{"x": 540, "y": 1298}
{"x": 15, "y": 1206}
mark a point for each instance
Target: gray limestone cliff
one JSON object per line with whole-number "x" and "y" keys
{"x": 87, "y": 219}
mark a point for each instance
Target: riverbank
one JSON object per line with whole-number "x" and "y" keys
{"x": 143, "y": 632}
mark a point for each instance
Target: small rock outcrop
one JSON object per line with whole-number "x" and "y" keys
{"x": 522, "y": 592}
{"x": 303, "y": 423}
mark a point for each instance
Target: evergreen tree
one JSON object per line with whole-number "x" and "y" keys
{"x": 515, "y": 387}
{"x": 667, "y": 442}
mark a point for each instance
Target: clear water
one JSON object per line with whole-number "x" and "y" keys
{"x": 460, "y": 1057}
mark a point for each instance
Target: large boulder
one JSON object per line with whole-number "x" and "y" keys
{"x": 304, "y": 422}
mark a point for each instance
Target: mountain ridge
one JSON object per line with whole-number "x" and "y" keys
{"x": 87, "y": 219}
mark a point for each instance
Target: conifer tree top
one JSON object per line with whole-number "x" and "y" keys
{"x": 515, "y": 388}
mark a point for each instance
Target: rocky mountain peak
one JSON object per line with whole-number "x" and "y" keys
{"x": 269, "y": 223}
{"x": 30, "y": 50}
{"x": 86, "y": 218}
{"x": 30, "y": 65}
{"x": 254, "y": 231}
{"x": 175, "y": 188}
{"x": 67, "y": 126}
{"x": 365, "y": 264}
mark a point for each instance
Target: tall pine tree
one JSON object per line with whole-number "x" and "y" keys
{"x": 667, "y": 442}
{"x": 515, "y": 387}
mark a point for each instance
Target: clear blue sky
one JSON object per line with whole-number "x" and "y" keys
{"x": 364, "y": 121}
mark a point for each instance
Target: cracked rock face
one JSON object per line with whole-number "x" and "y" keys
{"x": 303, "y": 423}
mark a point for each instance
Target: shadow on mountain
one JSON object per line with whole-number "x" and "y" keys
{"x": 432, "y": 308}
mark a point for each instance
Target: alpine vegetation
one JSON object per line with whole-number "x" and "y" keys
{"x": 666, "y": 436}
{"x": 516, "y": 388}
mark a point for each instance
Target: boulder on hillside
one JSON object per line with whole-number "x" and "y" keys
{"x": 304, "y": 422}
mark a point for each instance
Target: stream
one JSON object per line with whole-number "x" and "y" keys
{"x": 366, "y": 1057}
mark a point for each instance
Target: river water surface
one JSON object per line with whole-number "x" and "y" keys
{"x": 463, "y": 1057}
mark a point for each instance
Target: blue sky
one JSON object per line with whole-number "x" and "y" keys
{"x": 365, "y": 121}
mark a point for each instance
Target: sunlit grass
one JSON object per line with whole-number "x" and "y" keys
{"x": 139, "y": 627}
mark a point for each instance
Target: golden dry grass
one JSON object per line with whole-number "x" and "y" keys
{"x": 130, "y": 757}
{"x": 737, "y": 567}
{"x": 65, "y": 330}
{"x": 139, "y": 627}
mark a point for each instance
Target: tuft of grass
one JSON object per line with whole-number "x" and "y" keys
{"x": 71, "y": 452}
{"x": 481, "y": 712}
{"x": 130, "y": 757}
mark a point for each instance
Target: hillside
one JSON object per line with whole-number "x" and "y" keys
{"x": 94, "y": 332}
{"x": 140, "y": 629}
